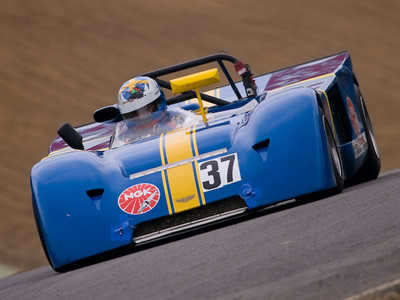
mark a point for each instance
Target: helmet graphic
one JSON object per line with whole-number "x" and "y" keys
{"x": 141, "y": 101}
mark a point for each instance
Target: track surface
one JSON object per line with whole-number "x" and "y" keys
{"x": 328, "y": 249}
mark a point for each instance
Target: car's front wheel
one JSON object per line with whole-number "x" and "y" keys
{"x": 335, "y": 161}
{"x": 335, "y": 158}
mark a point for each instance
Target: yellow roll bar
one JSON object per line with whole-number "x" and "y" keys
{"x": 195, "y": 82}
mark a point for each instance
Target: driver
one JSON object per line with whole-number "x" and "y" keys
{"x": 142, "y": 103}
{"x": 143, "y": 108}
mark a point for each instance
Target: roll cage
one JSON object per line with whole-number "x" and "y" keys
{"x": 219, "y": 58}
{"x": 111, "y": 113}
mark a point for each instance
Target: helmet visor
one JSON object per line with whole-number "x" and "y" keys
{"x": 145, "y": 112}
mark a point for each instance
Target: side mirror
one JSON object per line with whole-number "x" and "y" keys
{"x": 72, "y": 137}
{"x": 108, "y": 113}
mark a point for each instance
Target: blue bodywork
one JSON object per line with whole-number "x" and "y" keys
{"x": 281, "y": 153}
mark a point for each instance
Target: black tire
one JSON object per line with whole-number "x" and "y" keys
{"x": 335, "y": 158}
{"x": 372, "y": 165}
{"x": 46, "y": 252}
{"x": 337, "y": 166}
{"x": 40, "y": 233}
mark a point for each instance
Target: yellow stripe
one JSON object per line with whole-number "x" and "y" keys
{"x": 196, "y": 150}
{"x": 163, "y": 175}
{"x": 196, "y": 153}
{"x": 303, "y": 81}
{"x": 66, "y": 150}
{"x": 181, "y": 179}
{"x": 69, "y": 149}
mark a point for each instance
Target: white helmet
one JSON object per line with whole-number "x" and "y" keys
{"x": 141, "y": 94}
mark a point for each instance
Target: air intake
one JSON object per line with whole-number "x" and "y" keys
{"x": 261, "y": 149}
{"x": 95, "y": 194}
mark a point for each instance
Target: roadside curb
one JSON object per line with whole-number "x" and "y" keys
{"x": 6, "y": 271}
{"x": 386, "y": 291}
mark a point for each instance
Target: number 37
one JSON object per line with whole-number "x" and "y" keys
{"x": 220, "y": 171}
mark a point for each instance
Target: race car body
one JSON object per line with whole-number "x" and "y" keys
{"x": 282, "y": 135}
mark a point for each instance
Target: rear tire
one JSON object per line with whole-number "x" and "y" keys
{"x": 372, "y": 165}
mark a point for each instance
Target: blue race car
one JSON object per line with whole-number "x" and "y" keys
{"x": 299, "y": 132}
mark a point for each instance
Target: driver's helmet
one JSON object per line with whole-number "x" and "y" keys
{"x": 141, "y": 102}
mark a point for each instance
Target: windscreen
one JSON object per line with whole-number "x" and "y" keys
{"x": 175, "y": 118}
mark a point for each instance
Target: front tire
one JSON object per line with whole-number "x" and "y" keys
{"x": 337, "y": 168}
{"x": 336, "y": 160}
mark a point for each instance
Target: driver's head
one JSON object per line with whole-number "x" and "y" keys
{"x": 141, "y": 101}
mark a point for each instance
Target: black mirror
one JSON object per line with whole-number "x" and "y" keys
{"x": 72, "y": 137}
{"x": 106, "y": 114}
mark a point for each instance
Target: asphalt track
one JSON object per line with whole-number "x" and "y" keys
{"x": 328, "y": 249}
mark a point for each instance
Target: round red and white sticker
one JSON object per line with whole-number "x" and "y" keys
{"x": 139, "y": 199}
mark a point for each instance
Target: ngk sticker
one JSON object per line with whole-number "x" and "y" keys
{"x": 139, "y": 199}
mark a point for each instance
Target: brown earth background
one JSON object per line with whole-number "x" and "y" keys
{"x": 61, "y": 60}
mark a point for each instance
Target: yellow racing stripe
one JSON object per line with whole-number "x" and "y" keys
{"x": 163, "y": 175}
{"x": 303, "y": 81}
{"x": 181, "y": 179}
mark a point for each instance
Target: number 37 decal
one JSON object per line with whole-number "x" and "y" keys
{"x": 220, "y": 171}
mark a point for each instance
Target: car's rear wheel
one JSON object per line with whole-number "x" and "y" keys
{"x": 372, "y": 165}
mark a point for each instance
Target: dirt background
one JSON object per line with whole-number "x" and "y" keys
{"x": 61, "y": 60}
